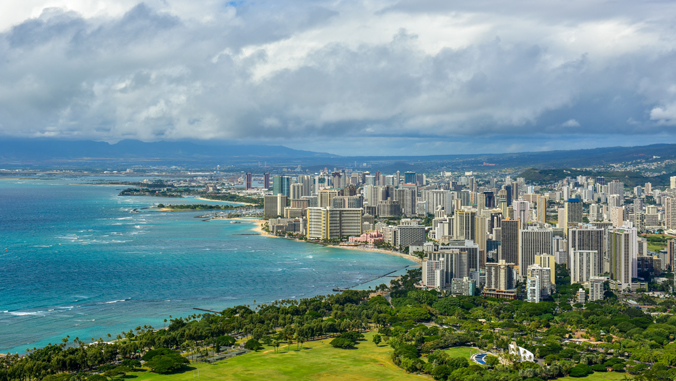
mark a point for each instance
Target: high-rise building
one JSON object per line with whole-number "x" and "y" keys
{"x": 248, "y": 180}
{"x": 521, "y": 212}
{"x": 433, "y": 274}
{"x": 465, "y": 224}
{"x": 407, "y": 197}
{"x": 510, "y": 240}
{"x": 500, "y": 280}
{"x": 266, "y": 180}
{"x": 436, "y": 198}
{"x": 596, "y": 288}
{"x": 532, "y": 241}
{"x": 669, "y": 263}
{"x": 573, "y": 211}
{"x": 623, "y": 253}
{"x": 409, "y": 235}
{"x": 508, "y": 194}
{"x": 481, "y": 234}
{"x": 616, "y": 187}
{"x": 669, "y": 212}
{"x": 277, "y": 185}
{"x": 581, "y": 296}
{"x": 617, "y": 214}
{"x": 274, "y": 206}
{"x": 542, "y": 209}
{"x": 409, "y": 178}
{"x": 281, "y": 184}
{"x": 533, "y": 289}
{"x": 330, "y": 223}
{"x": 308, "y": 183}
{"x": 583, "y": 265}
{"x": 463, "y": 286}
{"x": 595, "y": 213}
{"x": 648, "y": 188}
{"x": 543, "y": 274}
{"x": 547, "y": 261}
{"x": 588, "y": 238}
{"x": 474, "y": 259}
{"x": 673, "y": 182}
{"x": 453, "y": 263}
{"x": 325, "y": 197}
{"x": 297, "y": 191}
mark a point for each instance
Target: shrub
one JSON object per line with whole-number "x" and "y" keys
{"x": 252, "y": 345}
{"x": 341, "y": 342}
{"x": 599, "y": 368}
{"x": 166, "y": 363}
{"x": 580, "y": 370}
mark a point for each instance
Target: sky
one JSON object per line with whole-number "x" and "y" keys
{"x": 372, "y": 77}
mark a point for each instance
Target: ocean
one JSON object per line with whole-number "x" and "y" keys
{"x": 75, "y": 261}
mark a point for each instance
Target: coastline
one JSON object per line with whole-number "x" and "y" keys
{"x": 227, "y": 202}
{"x": 258, "y": 228}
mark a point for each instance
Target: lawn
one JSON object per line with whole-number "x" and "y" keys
{"x": 316, "y": 361}
{"x": 461, "y": 352}
{"x": 598, "y": 376}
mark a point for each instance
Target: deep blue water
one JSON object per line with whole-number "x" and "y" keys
{"x": 74, "y": 261}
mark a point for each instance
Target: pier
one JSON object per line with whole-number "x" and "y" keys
{"x": 205, "y": 310}
{"x": 337, "y": 289}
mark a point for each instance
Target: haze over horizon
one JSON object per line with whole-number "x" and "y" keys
{"x": 378, "y": 77}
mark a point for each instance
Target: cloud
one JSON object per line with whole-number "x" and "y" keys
{"x": 318, "y": 70}
{"x": 571, "y": 123}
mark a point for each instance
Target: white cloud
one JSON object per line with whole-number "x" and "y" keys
{"x": 176, "y": 69}
{"x": 571, "y": 123}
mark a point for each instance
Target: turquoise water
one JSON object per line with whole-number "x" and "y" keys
{"x": 74, "y": 261}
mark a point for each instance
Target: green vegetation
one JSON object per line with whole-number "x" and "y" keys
{"x": 657, "y": 242}
{"x": 461, "y": 352}
{"x": 629, "y": 178}
{"x": 149, "y": 192}
{"x": 231, "y": 197}
{"x": 334, "y": 337}
{"x": 194, "y": 207}
{"x": 317, "y": 360}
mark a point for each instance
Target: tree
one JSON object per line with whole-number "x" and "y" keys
{"x": 252, "y": 345}
{"x": 342, "y": 342}
{"x": 377, "y": 339}
{"x": 492, "y": 360}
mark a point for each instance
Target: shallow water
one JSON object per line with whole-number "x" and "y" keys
{"x": 75, "y": 261}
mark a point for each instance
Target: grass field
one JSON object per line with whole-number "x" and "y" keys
{"x": 461, "y": 352}
{"x": 598, "y": 376}
{"x": 316, "y": 361}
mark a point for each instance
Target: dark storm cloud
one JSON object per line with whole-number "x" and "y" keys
{"x": 314, "y": 70}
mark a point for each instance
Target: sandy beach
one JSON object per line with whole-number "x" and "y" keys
{"x": 258, "y": 228}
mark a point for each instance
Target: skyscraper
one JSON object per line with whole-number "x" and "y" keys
{"x": 587, "y": 238}
{"x": 532, "y": 242}
{"x": 409, "y": 178}
{"x": 623, "y": 253}
{"x": 266, "y": 180}
{"x": 573, "y": 210}
{"x": 583, "y": 265}
{"x": 510, "y": 241}
{"x": 465, "y": 224}
{"x": 248, "y": 180}
{"x": 522, "y": 212}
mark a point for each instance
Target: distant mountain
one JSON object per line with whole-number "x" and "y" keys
{"x": 61, "y": 153}
{"x": 47, "y": 152}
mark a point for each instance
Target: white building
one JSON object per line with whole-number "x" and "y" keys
{"x": 583, "y": 265}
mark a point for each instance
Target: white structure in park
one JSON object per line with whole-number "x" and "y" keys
{"x": 523, "y": 353}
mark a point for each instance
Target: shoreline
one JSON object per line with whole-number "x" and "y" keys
{"x": 258, "y": 228}
{"x": 228, "y": 202}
